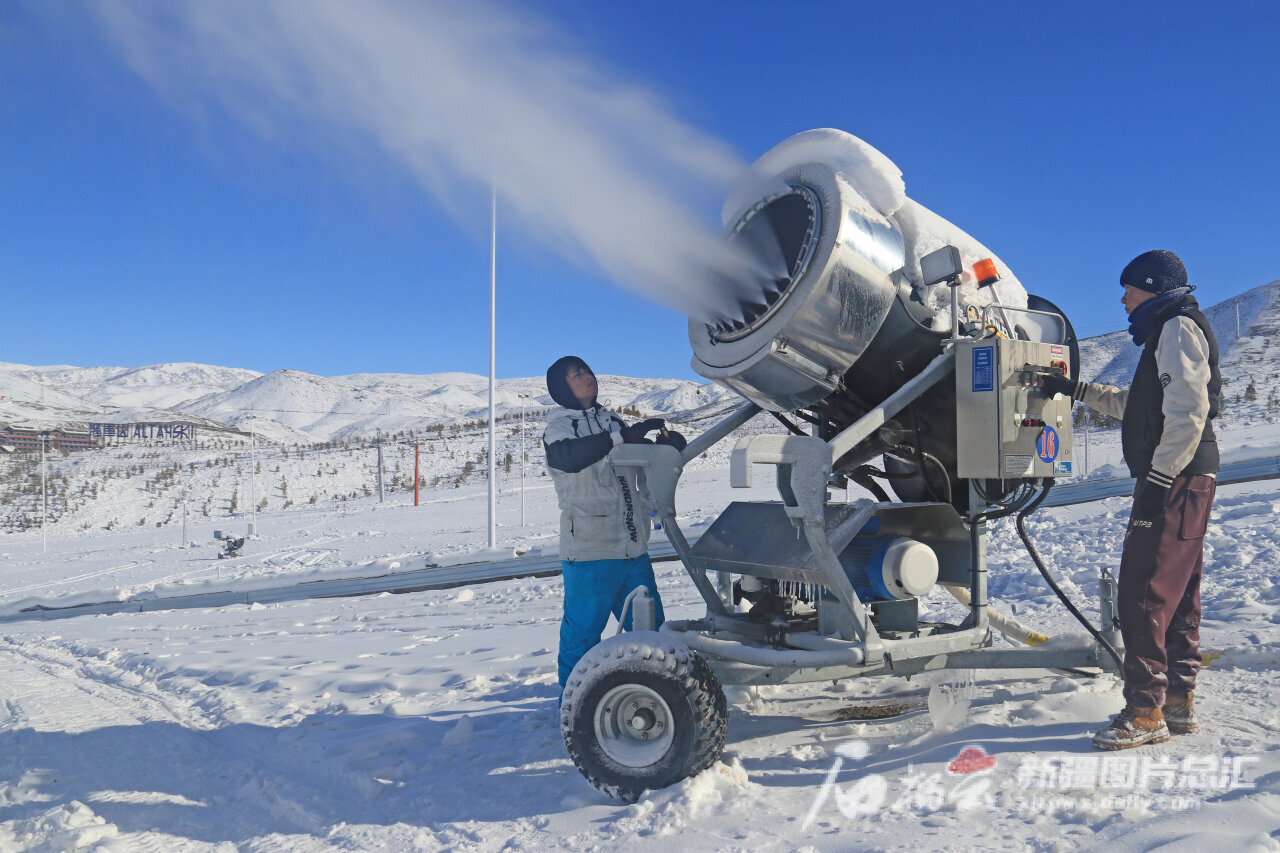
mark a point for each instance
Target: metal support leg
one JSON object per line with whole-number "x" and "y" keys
{"x": 1108, "y": 614}
{"x": 724, "y": 580}
{"x": 978, "y": 556}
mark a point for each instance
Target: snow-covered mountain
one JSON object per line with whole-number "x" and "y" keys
{"x": 1246, "y": 327}
{"x": 291, "y": 406}
{"x": 1112, "y": 357}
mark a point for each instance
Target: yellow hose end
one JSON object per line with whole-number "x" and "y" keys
{"x": 1035, "y": 638}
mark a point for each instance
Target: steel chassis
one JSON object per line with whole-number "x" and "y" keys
{"x": 799, "y": 540}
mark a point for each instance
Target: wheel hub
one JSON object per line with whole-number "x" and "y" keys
{"x": 634, "y": 725}
{"x": 644, "y": 720}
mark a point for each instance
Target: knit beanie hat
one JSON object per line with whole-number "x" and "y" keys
{"x": 1156, "y": 271}
{"x": 558, "y": 385}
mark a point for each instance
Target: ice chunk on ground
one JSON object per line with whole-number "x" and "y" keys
{"x": 949, "y": 703}
{"x": 72, "y": 826}
{"x": 460, "y": 734}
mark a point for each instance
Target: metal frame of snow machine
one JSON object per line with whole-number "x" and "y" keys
{"x": 646, "y": 708}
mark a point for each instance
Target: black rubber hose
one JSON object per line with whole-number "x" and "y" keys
{"x": 1035, "y": 557}
{"x": 863, "y": 478}
{"x": 946, "y": 478}
{"x": 1014, "y": 506}
{"x": 897, "y": 452}
{"x": 919, "y": 454}
{"x": 788, "y": 424}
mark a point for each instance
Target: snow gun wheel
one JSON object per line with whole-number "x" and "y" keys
{"x": 642, "y": 712}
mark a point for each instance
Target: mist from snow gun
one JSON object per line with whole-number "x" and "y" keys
{"x": 462, "y": 96}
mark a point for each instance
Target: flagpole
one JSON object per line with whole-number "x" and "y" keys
{"x": 493, "y": 298}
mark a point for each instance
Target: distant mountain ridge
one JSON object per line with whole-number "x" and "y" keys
{"x": 293, "y": 406}
{"x": 1112, "y": 357}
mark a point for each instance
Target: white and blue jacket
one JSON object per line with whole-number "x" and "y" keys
{"x": 600, "y": 517}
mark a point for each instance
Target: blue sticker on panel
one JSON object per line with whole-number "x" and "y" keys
{"x": 984, "y": 369}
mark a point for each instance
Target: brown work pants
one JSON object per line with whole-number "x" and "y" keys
{"x": 1160, "y": 593}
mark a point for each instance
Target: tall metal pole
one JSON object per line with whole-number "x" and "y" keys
{"x": 378, "y": 442}
{"x": 1086, "y": 446}
{"x": 523, "y": 397}
{"x": 253, "y": 479}
{"x": 44, "y": 495}
{"x": 182, "y": 493}
{"x": 493, "y": 313}
{"x": 416, "y": 476}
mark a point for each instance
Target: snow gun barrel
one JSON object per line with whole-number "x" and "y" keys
{"x": 843, "y": 319}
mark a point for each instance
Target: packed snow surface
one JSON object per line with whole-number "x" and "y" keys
{"x": 427, "y": 721}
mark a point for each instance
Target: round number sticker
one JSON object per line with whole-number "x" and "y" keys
{"x": 1047, "y": 444}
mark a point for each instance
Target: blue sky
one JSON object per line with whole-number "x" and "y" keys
{"x": 145, "y": 220}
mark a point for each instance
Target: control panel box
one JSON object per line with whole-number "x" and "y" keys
{"x": 1006, "y": 427}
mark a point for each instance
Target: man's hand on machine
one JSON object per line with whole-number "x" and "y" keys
{"x": 635, "y": 434}
{"x": 1054, "y": 383}
{"x": 673, "y": 438}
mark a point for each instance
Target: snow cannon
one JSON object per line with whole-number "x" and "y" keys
{"x": 871, "y": 329}
{"x": 844, "y": 313}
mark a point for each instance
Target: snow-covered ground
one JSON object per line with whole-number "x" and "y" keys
{"x": 427, "y": 721}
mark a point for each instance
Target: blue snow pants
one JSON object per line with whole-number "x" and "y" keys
{"x": 592, "y": 590}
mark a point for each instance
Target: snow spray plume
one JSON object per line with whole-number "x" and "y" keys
{"x": 462, "y": 95}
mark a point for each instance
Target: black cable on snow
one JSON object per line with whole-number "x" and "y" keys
{"x": 1035, "y": 556}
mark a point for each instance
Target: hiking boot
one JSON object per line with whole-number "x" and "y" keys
{"x": 1180, "y": 714}
{"x": 1133, "y": 727}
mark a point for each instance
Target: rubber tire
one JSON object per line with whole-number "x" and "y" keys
{"x": 676, "y": 673}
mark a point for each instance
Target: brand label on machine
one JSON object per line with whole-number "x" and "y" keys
{"x": 1061, "y": 469}
{"x": 984, "y": 368}
{"x": 1047, "y": 444}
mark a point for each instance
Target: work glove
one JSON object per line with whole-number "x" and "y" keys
{"x": 635, "y": 434}
{"x": 1052, "y": 383}
{"x": 1152, "y": 502}
{"x": 672, "y": 438}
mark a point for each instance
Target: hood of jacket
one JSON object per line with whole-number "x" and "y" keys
{"x": 558, "y": 383}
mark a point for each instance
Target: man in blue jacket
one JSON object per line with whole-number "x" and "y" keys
{"x": 604, "y": 535}
{"x": 1167, "y": 437}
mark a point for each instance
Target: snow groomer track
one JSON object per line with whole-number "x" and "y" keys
{"x": 435, "y": 577}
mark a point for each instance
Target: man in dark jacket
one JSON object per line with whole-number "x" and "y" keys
{"x": 1169, "y": 446}
{"x": 604, "y": 535}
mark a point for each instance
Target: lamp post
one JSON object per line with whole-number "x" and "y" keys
{"x": 253, "y": 479}
{"x": 493, "y": 301}
{"x": 523, "y": 397}
{"x": 44, "y": 494}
